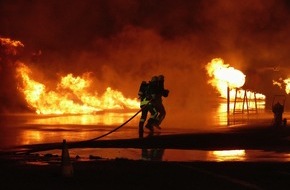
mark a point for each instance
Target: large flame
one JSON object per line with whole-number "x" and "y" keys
{"x": 71, "y": 95}
{"x": 224, "y": 77}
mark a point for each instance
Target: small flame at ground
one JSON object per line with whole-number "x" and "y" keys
{"x": 287, "y": 82}
{"x": 70, "y": 97}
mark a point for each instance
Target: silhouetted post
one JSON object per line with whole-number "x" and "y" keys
{"x": 228, "y": 104}
{"x": 228, "y": 99}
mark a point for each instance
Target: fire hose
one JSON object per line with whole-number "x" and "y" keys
{"x": 48, "y": 146}
{"x": 143, "y": 107}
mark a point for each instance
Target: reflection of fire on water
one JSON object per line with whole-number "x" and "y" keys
{"x": 101, "y": 118}
{"x": 229, "y": 155}
{"x": 228, "y": 82}
{"x": 59, "y": 101}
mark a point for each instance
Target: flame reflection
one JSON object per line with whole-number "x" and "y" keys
{"x": 228, "y": 155}
{"x": 106, "y": 118}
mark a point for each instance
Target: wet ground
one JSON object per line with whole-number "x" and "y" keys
{"x": 240, "y": 152}
{"x": 240, "y": 137}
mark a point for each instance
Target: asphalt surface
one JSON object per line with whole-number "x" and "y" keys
{"x": 128, "y": 174}
{"x": 32, "y": 171}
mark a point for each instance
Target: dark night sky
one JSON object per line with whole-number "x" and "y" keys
{"x": 123, "y": 42}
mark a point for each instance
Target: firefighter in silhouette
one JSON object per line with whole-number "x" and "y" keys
{"x": 278, "y": 110}
{"x": 145, "y": 96}
{"x": 153, "y": 94}
{"x": 160, "y": 92}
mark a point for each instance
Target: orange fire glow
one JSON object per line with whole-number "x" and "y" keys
{"x": 10, "y": 45}
{"x": 285, "y": 82}
{"x": 229, "y": 155}
{"x": 222, "y": 77}
{"x": 71, "y": 95}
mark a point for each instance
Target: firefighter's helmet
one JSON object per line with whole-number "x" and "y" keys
{"x": 161, "y": 77}
{"x": 154, "y": 78}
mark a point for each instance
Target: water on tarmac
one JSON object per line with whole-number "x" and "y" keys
{"x": 26, "y": 129}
